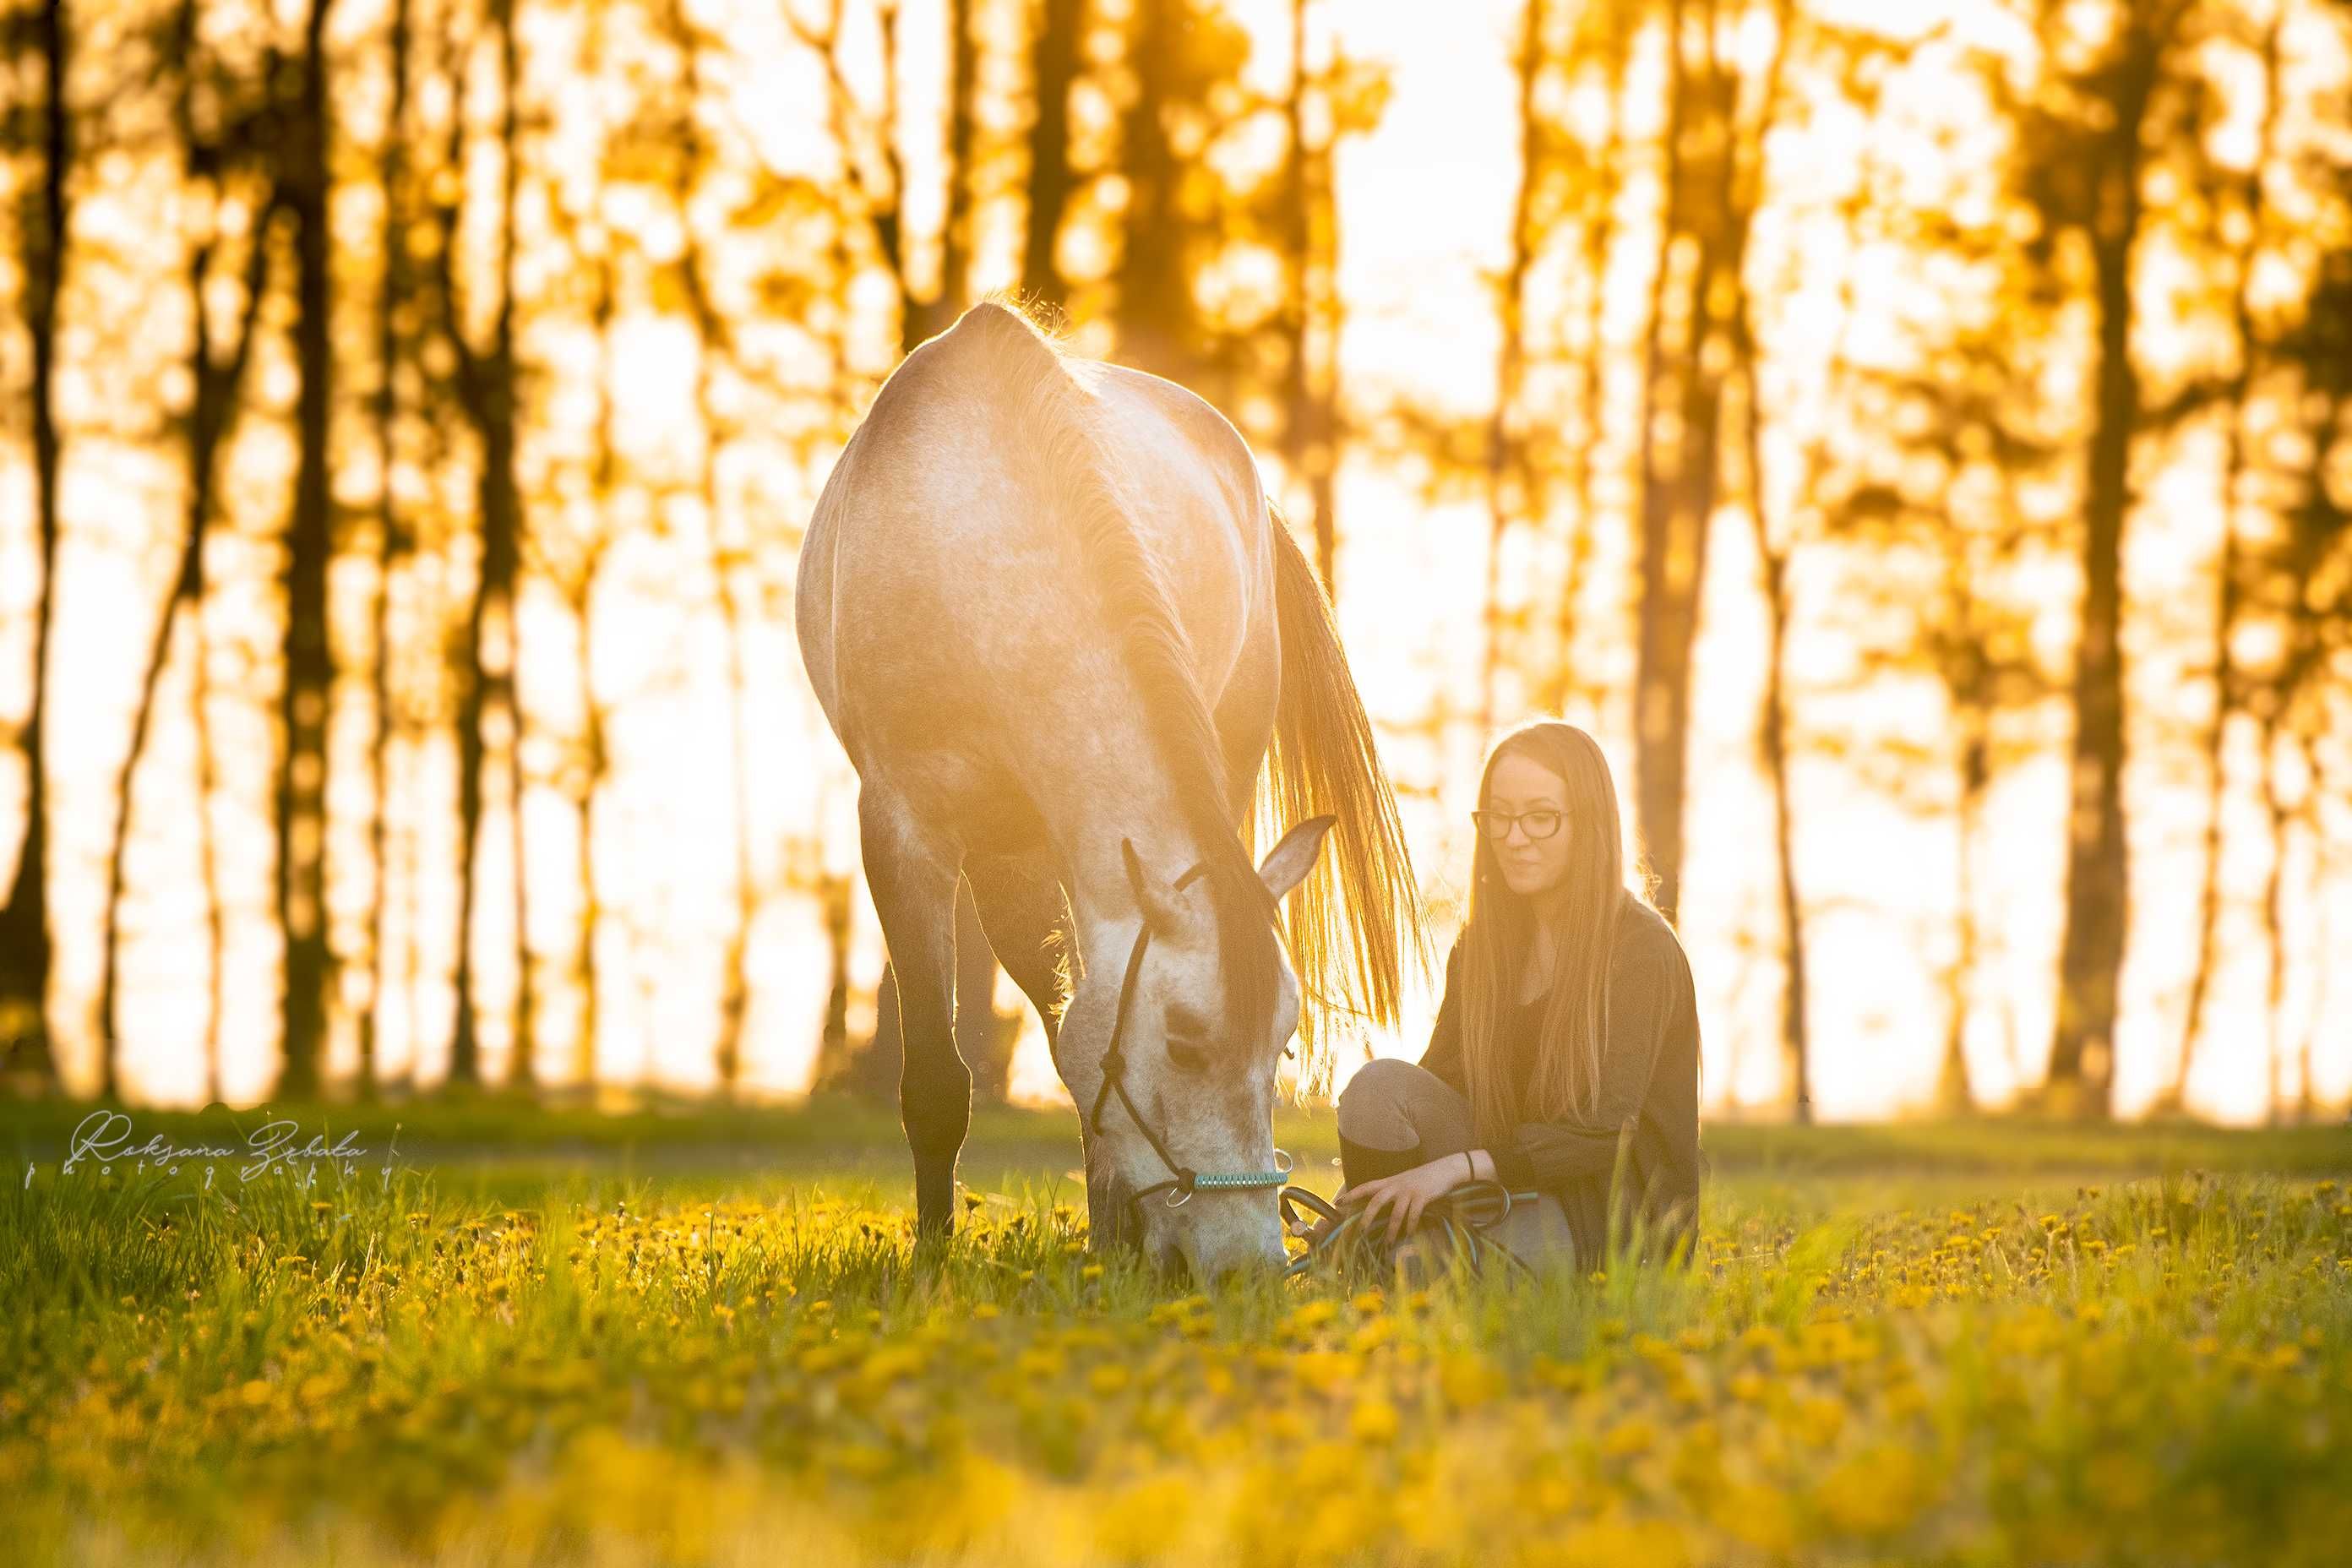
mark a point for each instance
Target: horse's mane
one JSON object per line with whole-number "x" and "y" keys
{"x": 1077, "y": 479}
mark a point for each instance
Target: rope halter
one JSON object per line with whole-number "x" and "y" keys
{"x": 1186, "y": 1181}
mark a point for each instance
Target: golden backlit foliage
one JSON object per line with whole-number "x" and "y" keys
{"x": 1912, "y": 438}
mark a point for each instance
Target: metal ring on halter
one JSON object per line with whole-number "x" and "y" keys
{"x": 1179, "y": 1195}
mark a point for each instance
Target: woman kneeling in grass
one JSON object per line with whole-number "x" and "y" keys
{"x": 1569, "y": 1023}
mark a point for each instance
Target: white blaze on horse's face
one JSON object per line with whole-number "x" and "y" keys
{"x": 1203, "y": 1071}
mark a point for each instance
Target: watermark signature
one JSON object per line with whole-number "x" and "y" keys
{"x": 105, "y": 1139}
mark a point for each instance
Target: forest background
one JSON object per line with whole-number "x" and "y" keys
{"x": 1914, "y": 438}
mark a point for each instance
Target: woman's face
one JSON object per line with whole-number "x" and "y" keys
{"x": 1518, "y": 787}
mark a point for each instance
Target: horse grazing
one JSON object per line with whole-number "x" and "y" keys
{"x": 1053, "y": 620}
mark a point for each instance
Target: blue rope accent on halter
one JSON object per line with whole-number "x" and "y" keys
{"x": 1186, "y": 1180}
{"x": 1244, "y": 1179}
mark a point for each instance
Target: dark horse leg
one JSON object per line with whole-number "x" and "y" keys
{"x": 912, "y": 878}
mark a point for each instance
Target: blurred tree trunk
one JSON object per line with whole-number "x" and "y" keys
{"x": 301, "y": 805}
{"x": 881, "y": 200}
{"x": 832, "y": 1051}
{"x": 1772, "y": 553}
{"x": 592, "y": 778}
{"x": 486, "y": 388}
{"x": 216, "y": 402}
{"x": 523, "y": 1069}
{"x": 1975, "y": 679}
{"x": 1152, "y": 314}
{"x": 2300, "y": 581}
{"x": 574, "y": 573}
{"x": 1604, "y": 184}
{"x": 1311, "y": 318}
{"x": 1954, "y": 1092}
{"x": 2227, "y": 571}
{"x": 2098, "y": 882}
{"x": 1506, "y": 489}
{"x": 955, "y": 229}
{"x": 207, "y": 849}
{"x": 886, "y": 210}
{"x": 1697, "y": 294}
{"x": 1775, "y": 547}
{"x": 2275, "y": 806}
{"x": 726, "y": 560}
{"x": 1053, "y": 68}
{"x": 44, "y": 220}
{"x": 393, "y": 544}
{"x": 2306, "y": 1102}
{"x": 2302, "y": 589}
{"x": 594, "y": 757}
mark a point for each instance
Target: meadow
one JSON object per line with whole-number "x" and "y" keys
{"x": 709, "y": 1337}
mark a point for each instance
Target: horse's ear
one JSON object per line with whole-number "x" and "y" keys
{"x": 1139, "y": 882}
{"x": 1286, "y": 864}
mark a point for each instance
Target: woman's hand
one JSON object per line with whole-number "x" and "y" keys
{"x": 1405, "y": 1195}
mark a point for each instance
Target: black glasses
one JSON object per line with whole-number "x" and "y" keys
{"x": 1496, "y": 824}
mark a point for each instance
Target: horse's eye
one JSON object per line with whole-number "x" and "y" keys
{"x": 1190, "y": 1055}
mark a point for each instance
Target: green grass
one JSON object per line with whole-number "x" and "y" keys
{"x": 834, "y": 1133}
{"x": 709, "y": 1337}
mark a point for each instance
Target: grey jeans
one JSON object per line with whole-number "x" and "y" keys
{"x": 1394, "y": 1115}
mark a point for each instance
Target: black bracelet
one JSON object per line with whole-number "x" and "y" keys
{"x": 1471, "y": 1164}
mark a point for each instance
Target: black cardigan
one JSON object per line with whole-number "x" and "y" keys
{"x": 1649, "y": 1091}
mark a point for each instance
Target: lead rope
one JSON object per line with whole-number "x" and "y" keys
{"x": 1464, "y": 1217}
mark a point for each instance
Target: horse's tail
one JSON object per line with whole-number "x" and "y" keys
{"x": 1357, "y": 918}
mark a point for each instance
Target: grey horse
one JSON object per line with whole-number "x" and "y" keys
{"x": 1052, "y": 617}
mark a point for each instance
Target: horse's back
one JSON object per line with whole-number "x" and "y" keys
{"x": 945, "y": 602}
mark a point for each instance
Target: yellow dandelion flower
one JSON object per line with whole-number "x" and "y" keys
{"x": 1468, "y": 1381}
{"x": 1635, "y": 1435}
{"x": 1374, "y": 1420}
{"x": 1819, "y": 1419}
{"x": 1874, "y": 1493}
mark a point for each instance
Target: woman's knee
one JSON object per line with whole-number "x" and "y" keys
{"x": 1375, "y": 1105}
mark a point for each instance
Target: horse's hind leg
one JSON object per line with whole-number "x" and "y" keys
{"x": 912, "y": 876}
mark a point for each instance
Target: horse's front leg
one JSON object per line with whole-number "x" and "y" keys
{"x": 912, "y": 876}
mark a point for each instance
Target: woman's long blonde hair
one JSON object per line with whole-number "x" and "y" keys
{"x": 1500, "y": 927}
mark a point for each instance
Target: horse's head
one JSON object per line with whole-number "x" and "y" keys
{"x": 1188, "y": 1084}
